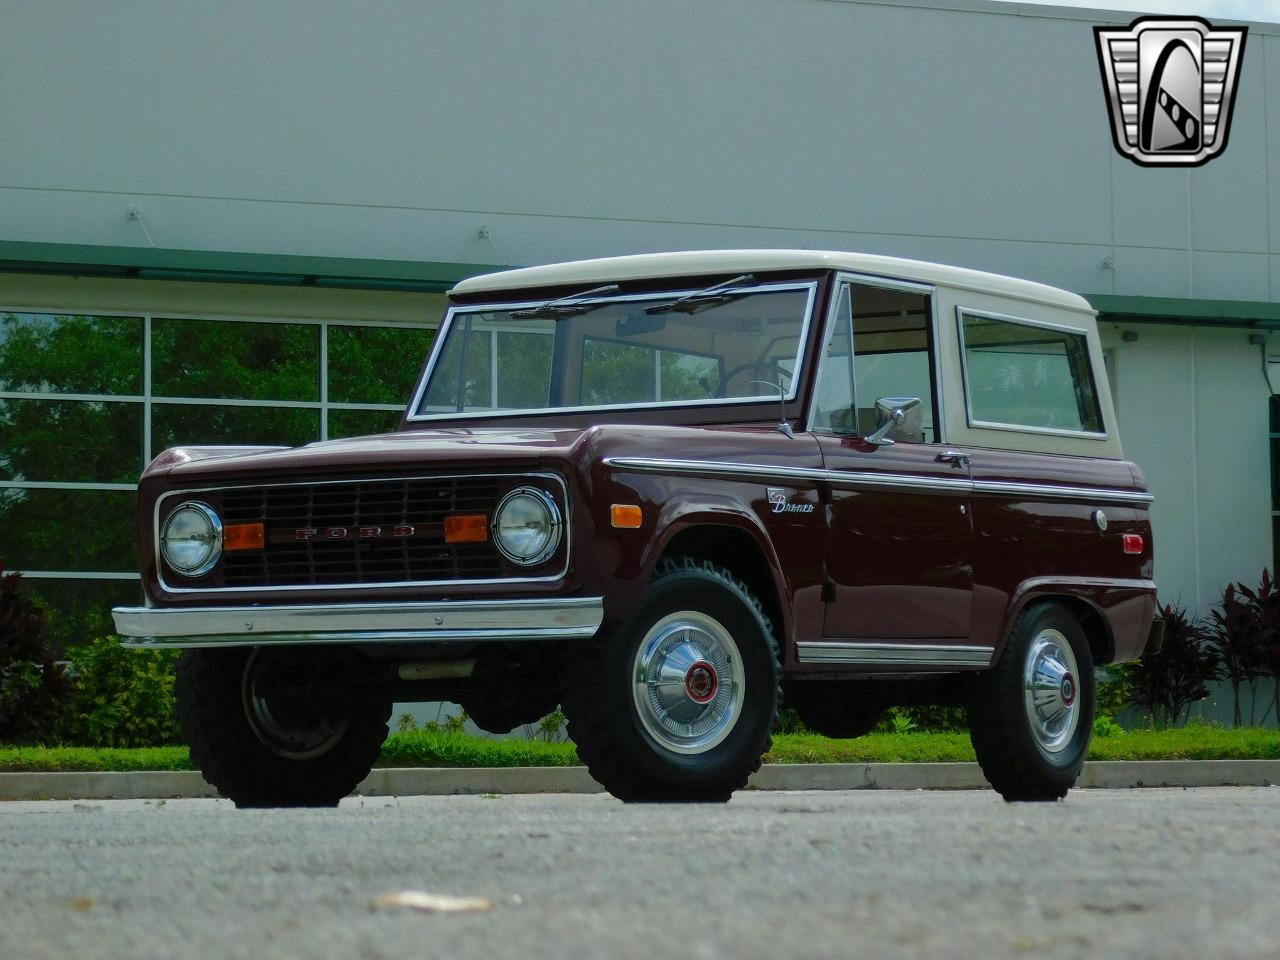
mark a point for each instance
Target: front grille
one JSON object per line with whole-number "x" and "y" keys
{"x": 389, "y": 557}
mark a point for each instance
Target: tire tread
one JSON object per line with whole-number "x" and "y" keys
{"x": 598, "y": 744}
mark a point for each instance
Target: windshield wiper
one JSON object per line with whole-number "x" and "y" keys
{"x": 710, "y": 297}
{"x": 563, "y": 306}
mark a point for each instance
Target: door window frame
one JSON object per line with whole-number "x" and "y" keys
{"x": 927, "y": 290}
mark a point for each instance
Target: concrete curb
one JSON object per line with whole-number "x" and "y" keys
{"x": 435, "y": 781}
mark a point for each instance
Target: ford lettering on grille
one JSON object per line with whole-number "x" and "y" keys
{"x": 347, "y": 533}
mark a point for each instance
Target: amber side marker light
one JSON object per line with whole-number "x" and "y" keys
{"x": 466, "y": 528}
{"x": 627, "y": 516}
{"x": 243, "y": 536}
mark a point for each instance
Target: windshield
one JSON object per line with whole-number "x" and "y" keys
{"x": 621, "y": 352}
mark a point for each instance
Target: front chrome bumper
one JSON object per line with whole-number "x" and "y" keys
{"x": 414, "y": 622}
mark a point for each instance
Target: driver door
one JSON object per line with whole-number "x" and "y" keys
{"x": 900, "y": 539}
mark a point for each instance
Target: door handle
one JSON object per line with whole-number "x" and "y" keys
{"x": 956, "y": 457}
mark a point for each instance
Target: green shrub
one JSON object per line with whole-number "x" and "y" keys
{"x": 1114, "y": 688}
{"x": 121, "y": 698}
{"x": 32, "y": 686}
{"x": 1105, "y": 726}
{"x": 928, "y": 719}
{"x": 550, "y": 729}
{"x": 789, "y": 722}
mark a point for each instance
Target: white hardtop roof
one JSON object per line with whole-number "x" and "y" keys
{"x": 649, "y": 266}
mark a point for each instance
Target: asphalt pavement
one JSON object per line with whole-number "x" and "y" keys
{"x": 1124, "y": 873}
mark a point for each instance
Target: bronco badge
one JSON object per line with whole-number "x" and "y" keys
{"x": 780, "y": 504}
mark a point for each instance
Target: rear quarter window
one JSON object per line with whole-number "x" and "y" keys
{"x": 1027, "y": 376}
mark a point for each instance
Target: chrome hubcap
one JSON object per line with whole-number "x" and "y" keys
{"x": 687, "y": 682}
{"x": 294, "y": 727}
{"x": 1051, "y": 687}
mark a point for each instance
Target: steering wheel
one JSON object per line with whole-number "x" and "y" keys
{"x": 774, "y": 374}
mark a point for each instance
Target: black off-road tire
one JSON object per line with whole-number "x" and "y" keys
{"x": 1010, "y": 756}
{"x": 825, "y": 709}
{"x": 232, "y": 758}
{"x": 602, "y": 716}
{"x": 504, "y": 712}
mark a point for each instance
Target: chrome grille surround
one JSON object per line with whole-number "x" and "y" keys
{"x": 355, "y": 563}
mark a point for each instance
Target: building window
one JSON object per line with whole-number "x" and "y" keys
{"x": 87, "y": 400}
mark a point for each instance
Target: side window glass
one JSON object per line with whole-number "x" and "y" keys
{"x": 1022, "y": 375}
{"x": 833, "y": 401}
{"x": 893, "y": 350}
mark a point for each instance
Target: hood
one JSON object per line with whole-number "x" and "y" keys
{"x": 411, "y": 451}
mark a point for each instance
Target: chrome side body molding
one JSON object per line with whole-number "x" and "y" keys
{"x": 413, "y": 622}
{"x": 884, "y": 653}
{"x": 869, "y": 479}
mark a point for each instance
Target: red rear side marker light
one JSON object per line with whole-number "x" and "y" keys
{"x": 1133, "y": 543}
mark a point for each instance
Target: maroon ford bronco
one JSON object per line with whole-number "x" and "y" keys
{"x": 671, "y": 493}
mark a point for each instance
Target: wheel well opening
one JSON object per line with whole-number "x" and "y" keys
{"x": 739, "y": 553}
{"x": 1096, "y": 630}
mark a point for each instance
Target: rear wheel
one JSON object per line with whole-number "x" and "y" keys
{"x": 678, "y": 704}
{"x": 1031, "y": 716}
{"x": 261, "y": 740}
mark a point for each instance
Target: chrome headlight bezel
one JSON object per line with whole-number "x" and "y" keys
{"x": 555, "y": 526}
{"x": 214, "y": 551}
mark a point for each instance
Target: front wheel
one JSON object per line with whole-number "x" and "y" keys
{"x": 680, "y": 703}
{"x": 262, "y": 740}
{"x": 1031, "y": 716}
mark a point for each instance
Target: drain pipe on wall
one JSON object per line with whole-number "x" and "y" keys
{"x": 1270, "y": 363}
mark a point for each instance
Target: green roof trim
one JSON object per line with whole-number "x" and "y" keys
{"x": 229, "y": 267}
{"x": 1262, "y": 314}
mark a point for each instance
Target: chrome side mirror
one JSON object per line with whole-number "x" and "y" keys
{"x": 903, "y": 416}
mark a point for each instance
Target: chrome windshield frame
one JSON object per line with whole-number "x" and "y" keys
{"x": 413, "y": 414}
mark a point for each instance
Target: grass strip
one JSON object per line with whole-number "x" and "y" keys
{"x": 428, "y": 748}
{"x": 1189, "y": 743}
{"x": 425, "y": 748}
{"x": 66, "y": 759}
{"x": 873, "y": 748}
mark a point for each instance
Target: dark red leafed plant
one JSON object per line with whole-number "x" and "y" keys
{"x": 1267, "y": 601}
{"x": 1244, "y": 630}
{"x": 32, "y": 685}
{"x": 1167, "y": 683}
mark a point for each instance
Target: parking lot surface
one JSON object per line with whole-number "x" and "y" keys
{"x": 1130, "y": 873}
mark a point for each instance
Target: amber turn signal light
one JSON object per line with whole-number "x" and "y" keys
{"x": 627, "y": 516}
{"x": 243, "y": 536}
{"x": 466, "y": 528}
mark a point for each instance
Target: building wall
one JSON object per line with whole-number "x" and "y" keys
{"x": 955, "y": 130}
{"x": 1193, "y": 406}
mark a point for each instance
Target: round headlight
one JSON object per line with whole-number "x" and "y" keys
{"x": 191, "y": 539}
{"x": 526, "y": 526}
